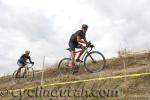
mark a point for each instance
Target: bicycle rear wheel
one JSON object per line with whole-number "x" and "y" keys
{"x": 94, "y": 62}
{"x": 29, "y": 75}
{"x": 63, "y": 66}
{"x": 14, "y": 78}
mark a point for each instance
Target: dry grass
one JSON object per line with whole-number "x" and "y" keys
{"x": 137, "y": 87}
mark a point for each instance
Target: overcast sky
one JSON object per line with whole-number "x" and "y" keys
{"x": 45, "y": 26}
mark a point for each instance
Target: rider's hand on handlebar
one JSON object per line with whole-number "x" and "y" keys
{"x": 32, "y": 62}
{"x": 92, "y": 46}
{"x": 88, "y": 43}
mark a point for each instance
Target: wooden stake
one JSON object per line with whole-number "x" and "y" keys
{"x": 43, "y": 71}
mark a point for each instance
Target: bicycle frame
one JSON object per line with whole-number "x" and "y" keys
{"x": 86, "y": 52}
{"x": 26, "y": 68}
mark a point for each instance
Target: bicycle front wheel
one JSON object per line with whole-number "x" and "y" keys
{"x": 94, "y": 62}
{"x": 29, "y": 75}
{"x": 63, "y": 66}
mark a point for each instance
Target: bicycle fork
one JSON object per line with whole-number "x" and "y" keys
{"x": 91, "y": 57}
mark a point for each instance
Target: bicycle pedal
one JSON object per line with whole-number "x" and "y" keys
{"x": 78, "y": 60}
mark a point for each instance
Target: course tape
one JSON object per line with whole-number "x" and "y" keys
{"x": 87, "y": 80}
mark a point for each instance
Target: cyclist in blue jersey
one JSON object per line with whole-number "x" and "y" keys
{"x": 22, "y": 61}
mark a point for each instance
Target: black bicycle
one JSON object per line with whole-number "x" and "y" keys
{"x": 93, "y": 61}
{"x": 26, "y": 73}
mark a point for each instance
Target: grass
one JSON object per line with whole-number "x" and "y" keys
{"x": 137, "y": 87}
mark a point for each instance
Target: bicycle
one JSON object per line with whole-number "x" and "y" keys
{"x": 93, "y": 61}
{"x": 27, "y": 72}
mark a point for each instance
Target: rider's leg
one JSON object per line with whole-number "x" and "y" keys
{"x": 72, "y": 53}
{"x": 21, "y": 65}
{"x": 71, "y": 64}
{"x": 25, "y": 72}
{"x": 19, "y": 70}
{"x": 81, "y": 52}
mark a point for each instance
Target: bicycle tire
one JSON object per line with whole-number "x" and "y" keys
{"x": 63, "y": 66}
{"x": 91, "y": 68}
{"x": 14, "y": 78}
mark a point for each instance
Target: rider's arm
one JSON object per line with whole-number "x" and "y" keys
{"x": 30, "y": 59}
{"x": 79, "y": 39}
{"x": 85, "y": 40}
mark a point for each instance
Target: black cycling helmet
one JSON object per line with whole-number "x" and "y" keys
{"x": 85, "y": 26}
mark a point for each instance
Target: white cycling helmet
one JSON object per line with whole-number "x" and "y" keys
{"x": 27, "y": 52}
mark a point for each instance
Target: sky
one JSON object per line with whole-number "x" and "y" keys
{"x": 45, "y": 26}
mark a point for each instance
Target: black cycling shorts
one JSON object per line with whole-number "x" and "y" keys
{"x": 72, "y": 45}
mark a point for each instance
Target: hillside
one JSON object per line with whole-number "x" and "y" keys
{"x": 130, "y": 88}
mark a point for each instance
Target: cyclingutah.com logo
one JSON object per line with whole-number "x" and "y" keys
{"x": 62, "y": 92}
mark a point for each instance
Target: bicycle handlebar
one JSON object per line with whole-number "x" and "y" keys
{"x": 28, "y": 63}
{"x": 89, "y": 45}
